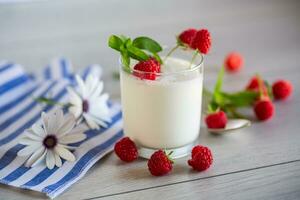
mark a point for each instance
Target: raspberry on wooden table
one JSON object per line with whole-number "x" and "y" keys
{"x": 126, "y": 150}
{"x": 159, "y": 164}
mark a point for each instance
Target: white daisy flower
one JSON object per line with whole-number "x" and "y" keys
{"x": 49, "y": 141}
{"x": 88, "y": 103}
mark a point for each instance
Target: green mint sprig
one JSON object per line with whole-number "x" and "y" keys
{"x": 229, "y": 102}
{"x": 141, "y": 49}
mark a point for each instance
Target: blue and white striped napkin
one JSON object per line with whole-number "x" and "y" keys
{"x": 18, "y": 111}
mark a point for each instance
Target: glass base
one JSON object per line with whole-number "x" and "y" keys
{"x": 179, "y": 152}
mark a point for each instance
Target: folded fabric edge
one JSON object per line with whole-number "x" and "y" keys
{"x": 88, "y": 165}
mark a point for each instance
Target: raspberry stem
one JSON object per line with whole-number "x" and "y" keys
{"x": 49, "y": 101}
{"x": 193, "y": 58}
{"x": 261, "y": 87}
{"x": 170, "y": 52}
{"x": 236, "y": 114}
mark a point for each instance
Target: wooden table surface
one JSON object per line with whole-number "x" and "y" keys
{"x": 260, "y": 162}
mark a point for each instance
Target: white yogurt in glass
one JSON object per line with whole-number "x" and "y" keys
{"x": 164, "y": 113}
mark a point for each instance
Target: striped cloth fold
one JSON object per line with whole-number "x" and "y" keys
{"x": 19, "y": 110}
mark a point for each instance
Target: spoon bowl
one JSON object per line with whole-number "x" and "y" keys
{"x": 232, "y": 124}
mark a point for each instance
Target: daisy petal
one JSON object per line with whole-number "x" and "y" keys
{"x": 29, "y": 149}
{"x": 81, "y": 128}
{"x": 82, "y": 87}
{"x": 55, "y": 120}
{"x": 98, "y": 121}
{"x": 59, "y": 114}
{"x": 69, "y": 147}
{"x": 90, "y": 122}
{"x": 103, "y": 98}
{"x": 45, "y": 121}
{"x": 72, "y": 138}
{"x": 74, "y": 97}
{"x": 50, "y": 160}
{"x": 26, "y": 141}
{"x": 101, "y": 114}
{"x": 91, "y": 84}
{"x": 58, "y": 161}
{"x": 52, "y": 124}
{"x": 79, "y": 120}
{"x": 97, "y": 91}
{"x": 64, "y": 153}
{"x": 76, "y": 111}
{"x": 31, "y": 135}
{"x": 35, "y": 156}
{"x": 67, "y": 125}
{"x": 40, "y": 159}
{"x": 38, "y": 130}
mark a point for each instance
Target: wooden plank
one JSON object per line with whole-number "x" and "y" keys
{"x": 257, "y": 146}
{"x": 276, "y": 183}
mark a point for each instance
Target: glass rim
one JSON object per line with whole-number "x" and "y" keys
{"x": 195, "y": 68}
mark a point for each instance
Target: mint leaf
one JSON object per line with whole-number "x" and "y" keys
{"x": 212, "y": 107}
{"x": 219, "y": 83}
{"x": 115, "y": 42}
{"x": 147, "y": 43}
{"x": 125, "y": 56}
{"x": 156, "y": 56}
{"x": 217, "y": 96}
{"x": 136, "y": 53}
{"x": 124, "y": 38}
{"x": 240, "y": 99}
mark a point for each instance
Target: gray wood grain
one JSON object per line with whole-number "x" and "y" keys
{"x": 276, "y": 182}
{"x": 266, "y": 32}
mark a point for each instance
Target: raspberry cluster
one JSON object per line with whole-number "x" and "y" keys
{"x": 161, "y": 163}
{"x": 196, "y": 39}
{"x": 258, "y": 95}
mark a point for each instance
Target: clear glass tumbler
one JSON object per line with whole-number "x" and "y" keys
{"x": 164, "y": 113}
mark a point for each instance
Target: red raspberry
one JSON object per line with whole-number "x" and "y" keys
{"x": 126, "y": 150}
{"x": 202, "y": 41}
{"x": 253, "y": 85}
{"x": 201, "y": 158}
{"x": 196, "y": 149}
{"x": 264, "y": 109}
{"x": 216, "y": 120}
{"x": 159, "y": 164}
{"x": 282, "y": 89}
{"x": 147, "y": 69}
{"x": 187, "y": 36}
{"x": 234, "y": 62}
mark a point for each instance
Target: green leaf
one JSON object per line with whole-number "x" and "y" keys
{"x": 219, "y": 83}
{"x": 206, "y": 92}
{"x": 124, "y": 38}
{"x": 240, "y": 99}
{"x": 115, "y": 42}
{"x": 147, "y": 43}
{"x": 217, "y": 97}
{"x": 136, "y": 53}
{"x": 212, "y": 107}
{"x": 125, "y": 56}
{"x": 156, "y": 56}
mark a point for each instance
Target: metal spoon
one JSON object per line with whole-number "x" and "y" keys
{"x": 232, "y": 124}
